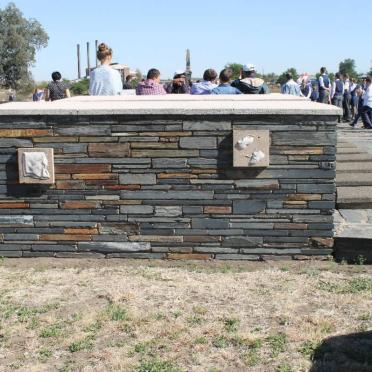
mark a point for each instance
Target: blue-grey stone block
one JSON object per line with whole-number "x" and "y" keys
{"x": 248, "y": 206}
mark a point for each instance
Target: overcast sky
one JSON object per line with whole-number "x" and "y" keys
{"x": 271, "y": 34}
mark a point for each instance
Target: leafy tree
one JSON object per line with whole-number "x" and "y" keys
{"x": 348, "y": 67}
{"x": 20, "y": 38}
{"x": 80, "y": 87}
{"x": 270, "y": 78}
{"x": 282, "y": 79}
{"x": 236, "y": 69}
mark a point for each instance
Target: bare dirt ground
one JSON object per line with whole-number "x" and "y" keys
{"x": 110, "y": 315}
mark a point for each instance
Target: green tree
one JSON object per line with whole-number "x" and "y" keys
{"x": 282, "y": 79}
{"x": 80, "y": 88}
{"x": 348, "y": 67}
{"x": 236, "y": 69}
{"x": 270, "y": 78}
{"x": 20, "y": 38}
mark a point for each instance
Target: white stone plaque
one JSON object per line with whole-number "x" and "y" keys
{"x": 36, "y": 166}
{"x": 251, "y": 148}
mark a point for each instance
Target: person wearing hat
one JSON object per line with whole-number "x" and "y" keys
{"x": 179, "y": 84}
{"x": 249, "y": 83}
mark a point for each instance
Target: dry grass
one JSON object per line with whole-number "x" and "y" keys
{"x": 65, "y": 315}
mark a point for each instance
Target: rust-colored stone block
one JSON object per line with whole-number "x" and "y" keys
{"x": 58, "y": 237}
{"x": 304, "y": 197}
{"x": 322, "y": 242}
{"x": 70, "y": 185}
{"x": 7, "y": 205}
{"x": 25, "y": 132}
{"x": 62, "y": 176}
{"x": 154, "y": 145}
{"x": 83, "y": 168}
{"x": 109, "y": 150}
{"x": 217, "y": 209}
{"x": 78, "y": 231}
{"x": 95, "y": 176}
{"x": 54, "y": 139}
{"x": 204, "y": 171}
{"x": 80, "y": 204}
{"x": 189, "y": 256}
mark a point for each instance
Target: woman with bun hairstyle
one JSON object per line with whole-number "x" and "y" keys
{"x": 104, "y": 80}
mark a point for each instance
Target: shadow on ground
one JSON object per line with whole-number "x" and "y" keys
{"x": 345, "y": 353}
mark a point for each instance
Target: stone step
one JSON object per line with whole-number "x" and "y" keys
{"x": 353, "y": 179}
{"x": 362, "y": 156}
{"x": 353, "y": 235}
{"x": 349, "y": 167}
{"x": 347, "y": 150}
{"x": 354, "y": 197}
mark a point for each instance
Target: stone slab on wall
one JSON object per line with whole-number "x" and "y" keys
{"x": 164, "y": 186}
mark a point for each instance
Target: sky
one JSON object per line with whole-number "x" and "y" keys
{"x": 271, "y": 34}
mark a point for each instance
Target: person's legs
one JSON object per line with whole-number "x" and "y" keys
{"x": 366, "y": 114}
{"x": 346, "y": 106}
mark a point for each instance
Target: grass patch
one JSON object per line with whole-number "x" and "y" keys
{"x": 355, "y": 285}
{"x": 231, "y": 324}
{"x": 84, "y": 344}
{"x": 44, "y": 355}
{"x": 308, "y": 348}
{"x": 116, "y": 312}
{"x": 194, "y": 320}
{"x": 284, "y": 368}
{"x": 277, "y": 344}
{"x": 221, "y": 342}
{"x": 25, "y": 313}
{"x": 53, "y": 330}
{"x": 201, "y": 340}
{"x": 157, "y": 366}
{"x": 251, "y": 357}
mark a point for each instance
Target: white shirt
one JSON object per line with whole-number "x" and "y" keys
{"x": 367, "y": 97}
{"x": 105, "y": 81}
{"x": 347, "y": 85}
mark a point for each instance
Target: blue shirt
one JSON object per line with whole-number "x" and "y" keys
{"x": 291, "y": 87}
{"x": 105, "y": 81}
{"x": 225, "y": 89}
{"x": 204, "y": 87}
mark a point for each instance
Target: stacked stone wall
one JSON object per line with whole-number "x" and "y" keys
{"x": 165, "y": 187}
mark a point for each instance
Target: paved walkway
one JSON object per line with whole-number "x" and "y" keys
{"x": 354, "y": 168}
{"x": 353, "y": 218}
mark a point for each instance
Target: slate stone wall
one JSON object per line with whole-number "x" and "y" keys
{"x": 165, "y": 187}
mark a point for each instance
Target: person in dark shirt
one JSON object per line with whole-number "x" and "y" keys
{"x": 179, "y": 84}
{"x": 249, "y": 83}
{"x": 56, "y": 89}
{"x": 129, "y": 82}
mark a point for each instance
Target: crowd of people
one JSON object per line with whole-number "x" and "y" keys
{"x": 355, "y": 98}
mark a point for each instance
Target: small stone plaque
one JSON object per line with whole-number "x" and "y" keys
{"x": 251, "y": 148}
{"x": 36, "y": 166}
